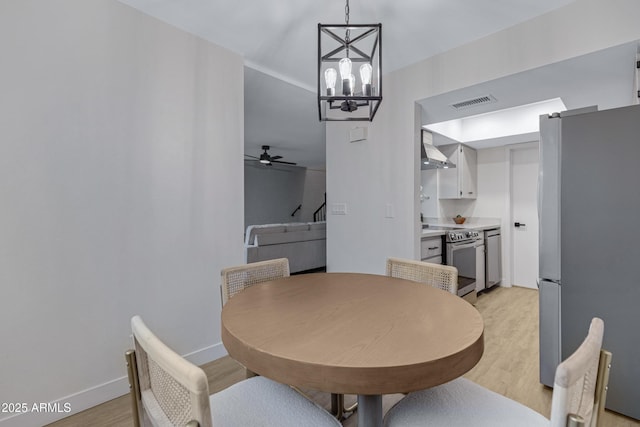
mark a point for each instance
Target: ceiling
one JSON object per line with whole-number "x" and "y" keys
{"x": 284, "y": 117}
{"x": 278, "y": 40}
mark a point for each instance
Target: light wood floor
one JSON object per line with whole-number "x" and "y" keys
{"x": 509, "y": 365}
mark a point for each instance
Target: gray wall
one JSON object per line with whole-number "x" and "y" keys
{"x": 121, "y": 188}
{"x": 272, "y": 193}
{"x": 315, "y": 186}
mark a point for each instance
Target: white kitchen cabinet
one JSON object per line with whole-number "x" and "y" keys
{"x": 431, "y": 249}
{"x": 459, "y": 182}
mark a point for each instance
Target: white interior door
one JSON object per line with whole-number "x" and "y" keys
{"x": 524, "y": 216}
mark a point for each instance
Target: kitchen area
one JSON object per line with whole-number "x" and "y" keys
{"x": 459, "y": 188}
{"x": 471, "y": 244}
{"x": 474, "y": 249}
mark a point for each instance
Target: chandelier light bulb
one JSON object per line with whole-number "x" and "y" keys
{"x": 345, "y": 68}
{"x": 365, "y": 75}
{"x": 330, "y": 76}
{"x": 345, "y": 71}
{"x": 352, "y": 83}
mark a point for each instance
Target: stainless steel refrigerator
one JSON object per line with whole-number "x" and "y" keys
{"x": 589, "y": 211}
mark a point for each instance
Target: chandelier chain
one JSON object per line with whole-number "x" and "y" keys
{"x": 346, "y": 13}
{"x": 346, "y": 20}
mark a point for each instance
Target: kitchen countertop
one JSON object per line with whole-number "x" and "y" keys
{"x": 432, "y": 233}
{"x": 479, "y": 224}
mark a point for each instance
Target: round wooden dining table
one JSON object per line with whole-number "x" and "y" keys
{"x": 352, "y": 333}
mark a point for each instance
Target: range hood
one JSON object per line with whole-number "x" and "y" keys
{"x": 431, "y": 157}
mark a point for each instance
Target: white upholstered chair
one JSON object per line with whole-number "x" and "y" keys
{"x": 168, "y": 390}
{"x": 443, "y": 277}
{"x": 578, "y": 399}
{"x": 239, "y": 278}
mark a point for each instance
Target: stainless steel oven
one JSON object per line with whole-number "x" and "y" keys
{"x": 465, "y": 251}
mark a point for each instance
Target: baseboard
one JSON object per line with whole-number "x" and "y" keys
{"x": 207, "y": 354}
{"x": 85, "y": 399}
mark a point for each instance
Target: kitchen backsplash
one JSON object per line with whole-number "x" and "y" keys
{"x": 451, "y": 208}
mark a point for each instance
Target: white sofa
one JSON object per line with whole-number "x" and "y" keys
{"x": 303, "y": 243}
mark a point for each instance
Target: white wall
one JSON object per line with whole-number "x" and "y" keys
{"x": 429, "y": 204}
{"x": 385, "y": 169}
{"x": 493, "y": 183}
{"x": 121, "y": 188}
{"x": 367, "y": 176}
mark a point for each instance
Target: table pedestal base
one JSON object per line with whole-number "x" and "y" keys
{"x": 369, "y": 410}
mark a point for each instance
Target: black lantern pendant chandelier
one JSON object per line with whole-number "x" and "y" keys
{"x": 349, "y": 99}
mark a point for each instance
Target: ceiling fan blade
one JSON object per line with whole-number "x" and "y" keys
{"x": 285, "y": 163}
{"x": 267, "y": 157}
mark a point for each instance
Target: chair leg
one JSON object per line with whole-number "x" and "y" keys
{"x": 249, "y": 374}
{"x": 574, "y": 420}
{"x": 134, "y": 385}
{"x": 602, "y": 385}
{"x": 338, "y": 409}
{"x": 337, "y": 405}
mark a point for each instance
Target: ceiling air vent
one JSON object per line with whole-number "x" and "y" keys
{"x": 481, "y": 100}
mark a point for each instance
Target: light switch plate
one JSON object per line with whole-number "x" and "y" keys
{"x": 339, "y": 209}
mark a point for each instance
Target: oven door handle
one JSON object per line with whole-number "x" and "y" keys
{"x": 456, "y": 246}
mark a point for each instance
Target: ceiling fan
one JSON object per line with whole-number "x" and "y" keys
{"x": 267, "y": 159}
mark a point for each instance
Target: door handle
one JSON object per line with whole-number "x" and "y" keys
{"x": 519, "y": 224}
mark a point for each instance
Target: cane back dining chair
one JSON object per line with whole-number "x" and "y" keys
{"x": 579, "y": 396}
{"x": 238, "y": 278}
{"x": 443, "y": 277}
{"x": 168, "y": 390}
